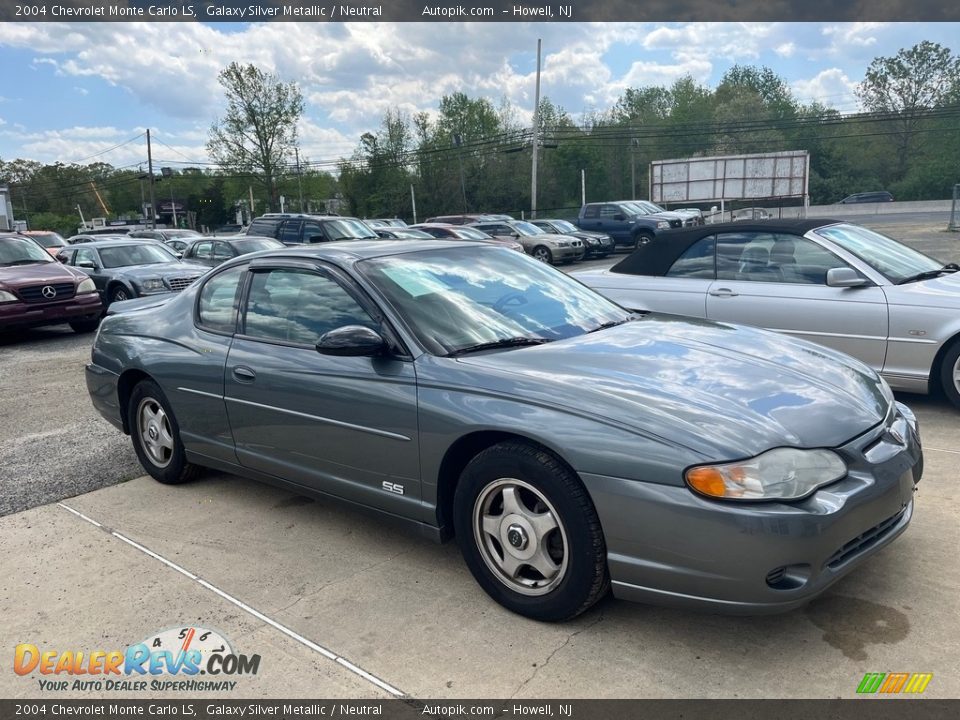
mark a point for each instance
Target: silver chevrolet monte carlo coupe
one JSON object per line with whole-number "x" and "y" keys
{"x": 569, "y": 444}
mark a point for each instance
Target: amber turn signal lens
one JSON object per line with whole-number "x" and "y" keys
{"x": 707, "y": 480}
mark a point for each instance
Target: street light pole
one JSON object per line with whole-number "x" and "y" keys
{"x": 153, "y": 202}
{"x": 536, "y": 140}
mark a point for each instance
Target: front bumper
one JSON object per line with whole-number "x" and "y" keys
{"x": 21, "y": 314}
{"x": 562, "y": 254}
{"x": 670, "y": 547}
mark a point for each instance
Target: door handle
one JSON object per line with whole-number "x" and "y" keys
{"x": 723, "y": 292}
{"x": 244, "y": 374}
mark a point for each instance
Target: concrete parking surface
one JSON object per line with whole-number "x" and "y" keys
{"x": 340, "y": 604}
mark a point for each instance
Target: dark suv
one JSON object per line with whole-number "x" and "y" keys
{"x": 296, "y": 229}
{"x": 867, "y": 197}
{"x": 37, "y": 290}
{"x": 626, "y": 223}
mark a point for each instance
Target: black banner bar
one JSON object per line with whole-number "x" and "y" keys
{"x": 489, "y": 11}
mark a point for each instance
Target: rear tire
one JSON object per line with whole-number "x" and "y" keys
{"x": 156, "y": 436}
{"x": 529, "y": 532}
{"x": 950, "y": 373}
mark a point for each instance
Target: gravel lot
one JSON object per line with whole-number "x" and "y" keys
{"x": 54, "y": 446}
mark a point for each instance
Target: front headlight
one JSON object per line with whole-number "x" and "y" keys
{"x": 781, "y": 474}
{"x": 562, "y": 243}
{"x": 86, "y": 286}
{"x": 662, "y": 224}
{"x": 7, "y": 297}
{"x": 153, "y": 284}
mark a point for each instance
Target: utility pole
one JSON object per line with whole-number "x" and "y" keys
{"x": 299, "y": 180}
{"x": 413, "y": 203}
{"x": 633, "y": 168}
{"x": 250, "y": 188}
{"x": 536, "y": 140}
{"x": 583, "y": 187}
{"x": 153, "y": 202}
{"x": 458, "y": 141}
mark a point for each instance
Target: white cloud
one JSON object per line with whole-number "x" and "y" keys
{"x": 858, "y": 34}
{"x": 830, "y": 87}
{"x": 785, "y": 50}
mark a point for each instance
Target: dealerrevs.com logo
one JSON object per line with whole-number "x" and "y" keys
{"x": 170, "y": 660}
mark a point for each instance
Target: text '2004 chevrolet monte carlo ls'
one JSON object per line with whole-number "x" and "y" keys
{"x": 568, "y": 444}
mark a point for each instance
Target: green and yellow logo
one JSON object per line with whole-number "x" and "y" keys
{"x": 892, "y": 683}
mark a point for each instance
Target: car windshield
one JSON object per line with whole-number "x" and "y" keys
{"x": 182, "y": 233}
{"x": 349, "y": 230}
{"x": 525, "y": 228}
{"x": 651, "y": 207}
{"x": 892, "y": 259}
{"x": 17, "y": 251}
{"x": 49, "y": 240}
{"x": 463, "y": 297}
{"x": 127, "y": 255}
{"x": 255, "y": 244}
{"x": 469, "y": 233}
{"x": 564, "y": 226}
{"x": 409, "y": 233}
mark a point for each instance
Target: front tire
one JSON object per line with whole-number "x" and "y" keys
{"x": 85, "y": 325}
{"x": 529, "y": 532}
{"x": 119, "y": 293}
{"x": 543, "y": 254}
{"x": 642, "y": 239}
{"x": 156, "y": 436}
{"x": 950, "y": 373}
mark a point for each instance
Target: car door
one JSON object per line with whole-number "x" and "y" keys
{"x": 778, "y": 281}
{"x": 202, "y": 252}
{"x": 87, "y": 260}
{"x": 341, "y": 425}
{"x": 290, "y": 232}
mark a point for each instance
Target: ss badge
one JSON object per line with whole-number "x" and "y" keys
{"x": 393, "y": 487}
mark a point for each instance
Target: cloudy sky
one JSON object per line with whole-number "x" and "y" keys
{"x": 71, "y": 92}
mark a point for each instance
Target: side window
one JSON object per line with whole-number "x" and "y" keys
{"x": 802, "y": 261}
{"x": 222, "y": 251}
{"x": 697, "y": 260}
{"x": 217, "y": 309}
{"x": 591, "y": 211}
{"x": 608, "y": 211}
{"x": 746, "y": 256}
{"x": 299, "y": 306}
{"x": 311, "y": 230}
{"x": 202, "y": 251}
{"x": 290, "y": 232}
{"x": 86, "y": 255}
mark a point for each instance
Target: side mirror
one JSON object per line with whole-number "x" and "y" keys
{"x": 88, "y": 264}
{"x": 317, "y": 239}
{"x": 514, "y": 234}
{"x": 845, "y": 278}
{"x": 351, "y": 341}
{"x": 619, "y": 216}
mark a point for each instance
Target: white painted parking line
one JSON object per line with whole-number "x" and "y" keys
{"x": 952, "y": 452}
{"x": 329, "y": 654}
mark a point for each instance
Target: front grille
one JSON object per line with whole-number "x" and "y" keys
{"x": 864, "y": 541}
{"x": 178, "y": 284}
{"x": 577, "y": 243}
{"x": 34, "y": 293}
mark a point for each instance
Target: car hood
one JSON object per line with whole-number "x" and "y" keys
{"x": 724, "y": 391}
{"x": 941, "y": 292}
{"x": 23, "y": 275}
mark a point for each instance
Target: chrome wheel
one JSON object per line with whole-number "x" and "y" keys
{"x": 520, "y": 536}
{"x": 956, "y": 374}
{"x": 119, "y": 294}
{"x": 153, "y": 428}
{"x": 542, "y": 254}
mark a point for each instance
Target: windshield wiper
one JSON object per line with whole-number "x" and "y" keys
{"x": 504, "y": 343}
{"x": 613, "y": 323}
{"x": 928, "y": 274}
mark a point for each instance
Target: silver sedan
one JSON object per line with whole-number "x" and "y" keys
{"x": 833, "y": 283}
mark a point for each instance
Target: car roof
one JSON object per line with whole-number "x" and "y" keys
{"x": 657, "y": 256}
{"x": 350, "y": 251}
{"x": 118, "y": 242}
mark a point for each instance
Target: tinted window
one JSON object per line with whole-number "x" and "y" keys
{"x": 299, "y": 306}
{"x": 86, "y": 255}
{"x": 608, "y": 211}
{"x": 290, "y": 232}
{"x": 697, "y": 261}
{"x": 264, "y": 227}
{"x": 591, "y": 211}
{"x": 218, "y": 307}
{"x": 311, "y": 230}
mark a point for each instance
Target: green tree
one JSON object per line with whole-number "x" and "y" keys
{"x": 258, "y": 132}
{"x": 909, "y": 84}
